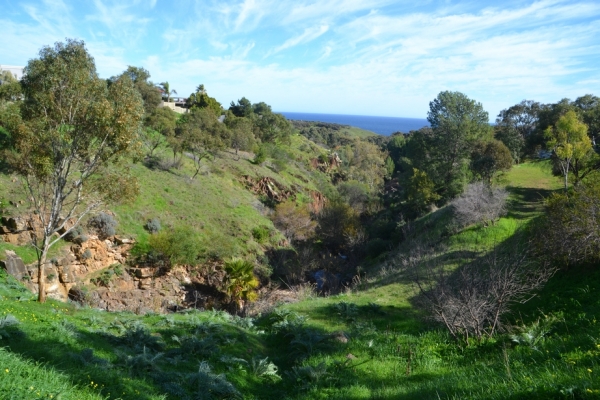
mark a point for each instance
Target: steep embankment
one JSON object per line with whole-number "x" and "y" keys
{"x": 224, "y": 211}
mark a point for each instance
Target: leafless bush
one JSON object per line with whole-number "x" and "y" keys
{"x": 480, "y": 203}
{"x": 471, "y": 300}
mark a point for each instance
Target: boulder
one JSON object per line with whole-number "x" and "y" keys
{"x": 16, "y": 223}
{"x": 66, "y": 274}
{"x": 14, "y": 265}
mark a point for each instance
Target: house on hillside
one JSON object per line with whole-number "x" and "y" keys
{"x": 13, "y": 69}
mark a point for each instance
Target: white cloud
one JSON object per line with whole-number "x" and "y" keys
{"x": 362, "y": 57}
{"x": 308, "y": 35}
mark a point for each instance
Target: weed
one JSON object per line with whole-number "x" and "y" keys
{"x": 211, "y": 386}
{"x": 86, "y": 255}
{"x": 6, "y": 323}
{"x": 153, "y": 225}
{"x": 308, "y": 376}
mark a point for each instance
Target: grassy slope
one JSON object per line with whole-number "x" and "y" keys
{"x": 391, "y": 354}
{"x": 216, "y": 204}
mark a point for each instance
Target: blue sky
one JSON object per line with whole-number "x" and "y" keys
{"x": 376, "y": 57}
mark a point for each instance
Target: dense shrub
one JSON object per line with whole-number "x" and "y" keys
{"x": 87, "y": 254}
{"x": 480, "y": 203}
{"x": 103, "y": 225}
{"x": 569, "y": 232}
{"x": 176, "y": 246}
{"x": 261, "y": 234}
{"x": 377, "y": 246}
{"x": 153, "y": 225}
{"x": 74, "y": 233}
{"x": 294, "y": 222}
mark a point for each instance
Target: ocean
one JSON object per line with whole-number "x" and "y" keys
{"x": 381, "y": 125}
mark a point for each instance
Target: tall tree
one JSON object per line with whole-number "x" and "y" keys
{"x": 202, "y": 135}
{"x": 10, "y": 89}
{"x": 73, "y": 128}
{"x": 457, "y": 123}
{"x": 149, "y": 92}
{"x": 241, "y": 132}
{"x": 570, "y": 144}
{"x": 243, "y": 108}
{"x": 516, "y": 125}
{"x": 200, "y": 99}
{"x": 588, "y": 107}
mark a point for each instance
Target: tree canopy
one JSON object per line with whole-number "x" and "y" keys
{"x": 72, "y": 127}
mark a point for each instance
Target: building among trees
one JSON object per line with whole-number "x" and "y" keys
{"x": 13, "y": 69}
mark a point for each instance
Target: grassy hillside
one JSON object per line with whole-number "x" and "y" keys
{"x": 367, "y": 343}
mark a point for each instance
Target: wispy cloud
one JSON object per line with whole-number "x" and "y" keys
{"x": 308, "y": 35}
{"x": 350, "y": 56}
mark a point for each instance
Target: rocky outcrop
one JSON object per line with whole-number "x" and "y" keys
{"x": 14, "y": 265}
{"x": 95, "y": 272}
{"x": 19, "y": 230}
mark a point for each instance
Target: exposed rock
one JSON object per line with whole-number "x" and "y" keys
{"x": 339, "y": 336}
{"x": 66, "y": 274}
{"x": 143, "y": 272}
{"x": 16, "y": 224}
{"x": 14, "y": 265}
{"x": 120, "y": 240}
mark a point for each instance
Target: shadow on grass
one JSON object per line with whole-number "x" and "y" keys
{"x": 526, "y": 202}
{"x": 140, "y": 364}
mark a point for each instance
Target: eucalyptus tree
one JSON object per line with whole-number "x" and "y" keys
{"x": 516, "y": 126}
{"x": 570, "y": 144}
{"x": 73, "y": 131}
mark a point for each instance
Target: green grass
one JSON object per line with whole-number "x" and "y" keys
{"x": 391, "y": 351}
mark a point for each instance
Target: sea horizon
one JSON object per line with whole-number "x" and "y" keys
{"x": 381, "y": 125}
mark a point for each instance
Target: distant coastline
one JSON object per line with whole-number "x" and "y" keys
{"x": 381, "y": 125}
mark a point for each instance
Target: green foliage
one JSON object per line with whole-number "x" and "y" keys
{"x": 76, "y": 232}
{"x": 240, "y": 282}
{"x": 516, "y": 127}
{"x": 167, "y": 91}
{"x": 10, "y": 89}
{"x": 339, "y": 225}
{"x": 147, "y": 90}
{"x": 176, "y": 246}
{"x": 107, "y": 275}
{"x": 90, "y": 127}
{"x": 87, "y": 254}
{"x": 261, "y": 234}
{"x": 489, "y": 158}
{"x": 261, "y": 155}
{"x": 377, "y": 246}
{"x": 243, "y": 108}
{"x": 571, "y": 145}
{"x": 568, "y": 233}
{"x": 212, "y": 386}
{"x": 201, "y": 100}
{"x": 457, "y": 123}
{"x": 6, "y": 322}
{"x": 420, "y": 192}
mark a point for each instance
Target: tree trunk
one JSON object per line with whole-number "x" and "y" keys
{"x": 41, "y": 272}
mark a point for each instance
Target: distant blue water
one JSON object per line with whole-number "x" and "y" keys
{"x": 381, "y": 125}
